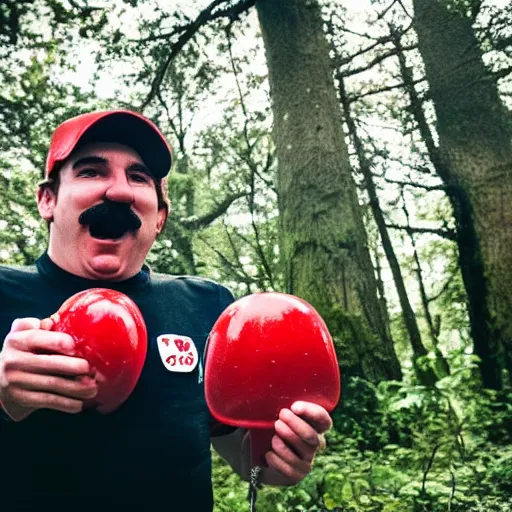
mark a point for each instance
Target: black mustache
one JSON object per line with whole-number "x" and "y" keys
{"x": 110, "y": 219}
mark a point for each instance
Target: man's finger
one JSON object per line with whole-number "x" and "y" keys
{"x": 80, "y": 387}
{"x": 313, "y": 414}
{"x": 48, "y": 364}
{"x": 280, "y": 448}
{"x": 291, "y": 472}
{"x": 303, "y": 450}
{"x": 47, "y": 324}
{"x": 38, "y": 341}
{"x": 25, "y": 324}
{"x": 302, "y": 428}
{"x": 38, "y": 400}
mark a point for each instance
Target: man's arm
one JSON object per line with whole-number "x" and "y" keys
{"x": 298, "y": 436}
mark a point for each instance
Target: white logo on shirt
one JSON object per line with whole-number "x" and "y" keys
{"x": 178, "y": 353}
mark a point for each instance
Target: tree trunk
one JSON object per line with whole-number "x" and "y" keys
{"x": 322, "y": 237}
{"x": 424, "y": 372}
{"x": 475, "y": 159}
{"x": 440, "y": 364}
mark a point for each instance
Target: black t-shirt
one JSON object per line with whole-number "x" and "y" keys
{"x": 154, "y": 451}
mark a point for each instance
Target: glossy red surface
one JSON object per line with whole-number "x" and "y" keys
{"x": 110, "y": 333}
{"x": 266, "y": 351}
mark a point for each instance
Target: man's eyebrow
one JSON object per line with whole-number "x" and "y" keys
{"x": 88, "y": 160}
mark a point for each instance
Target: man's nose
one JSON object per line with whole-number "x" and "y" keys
{"x": 120, "y": 190}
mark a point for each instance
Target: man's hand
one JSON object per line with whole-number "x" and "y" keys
{"x": 38, "y": 370}
{"x": 298, "y": 436}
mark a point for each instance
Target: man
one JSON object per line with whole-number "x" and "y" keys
{"x": 104, "y": 200}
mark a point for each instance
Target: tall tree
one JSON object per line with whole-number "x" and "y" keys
{"x": 475, "y": 161}
{"x": 322, "y": 236}
{"x": 425, "y": 373}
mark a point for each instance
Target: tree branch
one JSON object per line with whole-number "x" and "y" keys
{"x": 449, "y": 234}
{"x": 238, "y": 272}
{"x": 189, "y": 31}
{"x": 442, "y": 290}
{"x": 386, "y": 10}
{"x": 502, "y": 73}
{"x": 365, "y": 36}
{"x": 452, "y": 494}
{"x": 404, "y": 9}
{"x": 196, "y": 223}
{"x": 380, "y": 90}
{"x": 375, "y": 61}
{"x": 415, "y": 185}
{"x": 428, "y": 468}
{"x": 380, "y": 41}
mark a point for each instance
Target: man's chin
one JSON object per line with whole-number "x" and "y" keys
{"x": 111, "y": 259}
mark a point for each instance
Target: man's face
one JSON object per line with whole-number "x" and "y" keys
{"x": 97, "y": 173}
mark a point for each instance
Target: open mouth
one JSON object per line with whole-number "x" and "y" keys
{"x": 104, "y": 231}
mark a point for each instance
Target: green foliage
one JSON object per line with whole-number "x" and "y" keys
{"x": 399, "y": 447}
{"x": 230, "y": 491}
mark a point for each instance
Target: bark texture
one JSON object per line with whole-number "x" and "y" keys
{"x": 475, "y": 160}
{"x": 323, "y": 240}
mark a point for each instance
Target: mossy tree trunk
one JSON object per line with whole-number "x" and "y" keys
{"x": 323, "y": 241}
{"x": 475, "y": 159}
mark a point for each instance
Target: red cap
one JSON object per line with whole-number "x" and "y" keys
{"x": 121, "y": 126}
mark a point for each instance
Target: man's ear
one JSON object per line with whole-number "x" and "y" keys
{"x": 46, "y": 200}
{"x": 160, "y": 220}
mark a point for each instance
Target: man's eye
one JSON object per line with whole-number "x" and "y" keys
{"x": 88, "y": 173}
{"x": 139, "y": 177}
